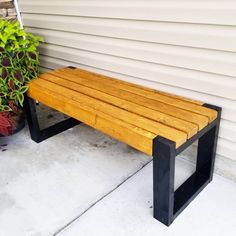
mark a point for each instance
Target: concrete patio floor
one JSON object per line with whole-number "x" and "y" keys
{"x": 128, "y": 211}
{"x": 83, "y": 183}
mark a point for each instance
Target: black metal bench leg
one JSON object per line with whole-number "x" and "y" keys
{"x": 163, "y": 179}
{"x": 206, "y": 153}
{"x": 167, "y": 203}
{"x": 207, "y": 147}
{"x": 39, "y": 135}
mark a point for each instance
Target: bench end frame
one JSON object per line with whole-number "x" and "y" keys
{"x": 167, "y": 203}
{"x": 36, "y": 133}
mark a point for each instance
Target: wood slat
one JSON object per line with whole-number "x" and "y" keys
{"x": 189, "y": 128}
{"x": 197, "y": 119}
{"x": 130, "y": 134}
{"x": 128, "y": 112}
{"x": 200, "y": 103}
{"x": 193, "y": 101}
{"x": 183, "y": 103}
{"x": 113, "y": 111}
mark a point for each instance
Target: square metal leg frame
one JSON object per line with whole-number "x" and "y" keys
{"x": 39, "y": 135}
{"x": 167, "y": 203}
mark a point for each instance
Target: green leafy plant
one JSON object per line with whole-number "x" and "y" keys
{"x": 19, "y": 62}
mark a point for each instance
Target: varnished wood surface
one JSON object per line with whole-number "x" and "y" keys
{"x": 128, "y": 112}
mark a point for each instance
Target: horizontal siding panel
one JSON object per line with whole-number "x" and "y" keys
{"x": 217, "y": 62}
{"x": 226, "y": 148}
{"x": 203, "y": 12}
{"x": 43, "y": 69}
{"x": 228, "y": 130}
{"x": 202, "y": 36}
{"x": 192, "y": 80}
{"x": 49, "y": 62}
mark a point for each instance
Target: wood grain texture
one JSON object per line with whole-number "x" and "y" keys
{"x": 113, "y": 111}
{"x": 181, "y": 102}
{"x": 189, "y": 128}
{"x": 125, "y": 132}
{"x": 130, "y": 113}
{"x": 200, "y": 120}
{"x": 125, "y": 84}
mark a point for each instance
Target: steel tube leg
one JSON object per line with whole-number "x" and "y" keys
{"x": 36, "y": 133}
{"x": 30, "y": 110}
{"x": 207, "y": 150}
{"x": 163, "y": 179}
{"x": 206, "y": 153}
{"x": 168, "y": 204}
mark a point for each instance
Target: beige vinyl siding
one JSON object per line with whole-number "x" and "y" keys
{"x": 184, "y": 47}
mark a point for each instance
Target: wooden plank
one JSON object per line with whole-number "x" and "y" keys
{"x": 197, "y": 119}
{"x": 113, "y": 111}
{"x": 162, "y": 118}
{"x": 193, "y": 101}
{"x": 138, "y": 86}
{"x": 130, "y": 134}
{"x": 149, "y": 93}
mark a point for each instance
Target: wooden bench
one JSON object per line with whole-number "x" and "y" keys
{"x": 159, "y": 124}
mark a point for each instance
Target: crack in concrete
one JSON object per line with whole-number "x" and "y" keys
{"x": 95, "y": 203}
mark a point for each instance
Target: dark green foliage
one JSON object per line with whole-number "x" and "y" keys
{"x": 19, "y": 61}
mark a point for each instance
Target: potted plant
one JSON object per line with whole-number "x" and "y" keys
{"x": 19, "y": 64}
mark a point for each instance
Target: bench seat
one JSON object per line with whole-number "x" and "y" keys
{"x": 128, "y": 112}
{"x": 159, "y": 124}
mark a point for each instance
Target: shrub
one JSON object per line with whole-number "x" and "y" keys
{"x": 19, "y": 61}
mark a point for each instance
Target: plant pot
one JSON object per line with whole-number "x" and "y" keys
{"x": 19, "y": 122}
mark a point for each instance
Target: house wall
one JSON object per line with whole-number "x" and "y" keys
{"x": 7, "y": 9}
{"x": 184, "y": 47}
